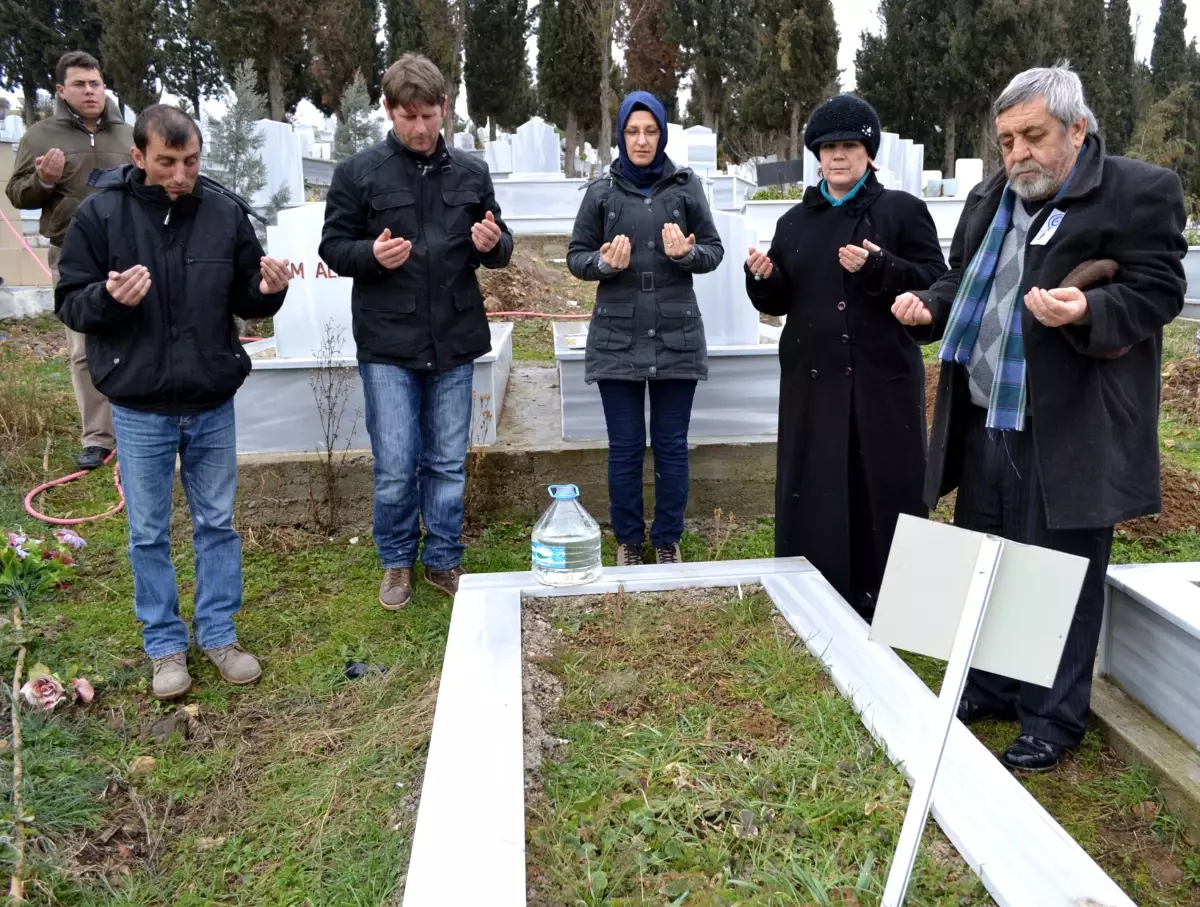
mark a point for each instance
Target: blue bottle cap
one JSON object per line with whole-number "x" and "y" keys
{"x": 564, "y": 492}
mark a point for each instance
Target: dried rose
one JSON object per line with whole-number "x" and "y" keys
{"x": 82, "y": 690}
{"x": 43, "y": 692}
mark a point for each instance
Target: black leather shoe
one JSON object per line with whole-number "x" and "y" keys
{"x": 1032, "y": 754}
{"x": 92, "y": 458}
{"x": 970, "y": 711}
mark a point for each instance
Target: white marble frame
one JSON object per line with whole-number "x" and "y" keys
{"x": 1150, "y": 640}
{"x": 469, "y": 843}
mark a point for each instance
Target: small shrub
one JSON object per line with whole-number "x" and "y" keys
{"x": 788, "y": 193}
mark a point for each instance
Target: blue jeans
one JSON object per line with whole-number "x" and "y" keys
{"x": 419, "y": 423}
{"x": 625, "y": 415}
{"x": 147, "y": 445}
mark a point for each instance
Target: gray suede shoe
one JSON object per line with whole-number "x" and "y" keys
{"x": 235, "y": 664}
{"x": 171, "y": 678}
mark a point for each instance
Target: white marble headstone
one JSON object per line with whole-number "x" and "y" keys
{"x": 499, "y": 156}
{"x": 316, "y": 296}
{"x": 968, "y": 172}
{"x": 702, "y": 149}
{"x": 536, "y": 148}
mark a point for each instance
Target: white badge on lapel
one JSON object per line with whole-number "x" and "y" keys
{"x": 1049, "y": 228}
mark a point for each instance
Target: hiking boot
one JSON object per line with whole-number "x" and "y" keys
{"x": 171, "y": 678}
{"x": 236, "y": 665}
{"x": 630, "y": 556}
{"x": 92, "y": 458}
{"x": 445, "y": 580}
{"x": 396, "y": 589}
{"x": 668, "y": 555}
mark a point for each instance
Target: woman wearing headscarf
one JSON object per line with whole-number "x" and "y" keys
{"x": 642, "y": 231}
{"x": 851, "y": 453}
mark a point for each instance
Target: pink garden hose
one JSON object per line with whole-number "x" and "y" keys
{"x": 59, "y": 521}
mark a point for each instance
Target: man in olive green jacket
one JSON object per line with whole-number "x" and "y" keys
{"x": 54, "y": 161}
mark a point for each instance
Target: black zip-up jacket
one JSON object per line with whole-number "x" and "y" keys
{"x": 177, "y": 352}
{"x": 427, "y": 314}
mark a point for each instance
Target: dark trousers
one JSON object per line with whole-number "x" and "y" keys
{"x": 625, "y": 416}
{"x": 1001, "y": 493}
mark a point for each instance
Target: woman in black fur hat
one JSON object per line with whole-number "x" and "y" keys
{"x": 851, "y": 454}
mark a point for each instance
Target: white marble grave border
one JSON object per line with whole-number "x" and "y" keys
{"x": 469, "y": 844}
{"x": 1150, "y": 640}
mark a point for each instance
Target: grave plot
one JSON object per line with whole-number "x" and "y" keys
{"x": 476, "y": 796}
{"x": 685, "y": 747}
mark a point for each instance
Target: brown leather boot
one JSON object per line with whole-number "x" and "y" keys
{"x": 396, "y": 589}
{"x": 445, "y": 580}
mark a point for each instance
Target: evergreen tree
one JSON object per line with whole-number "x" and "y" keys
{"x": 1087, "y": 50}
{"x": 992, "y": 41}
{"x": 652, "y": 58}
{"x": 342, "y": 37}
{"x": 568, "y": 73}
{"x": 235, "y": 149}
{"x": 271, "y": 34}
{"x": 433, "y": 28}
{"x": 356, "y": 130}
{"x": 1158, "y": 136}
{"x": 130, "y": 50}
{"x": 495, "y": 71}
{"x": 1119, "y": 75}
{"x": 1168, "y": 58}
{"x": 34, "y": 34}
{"x": 718, "y": 41}
{"x": 189, "y": 63}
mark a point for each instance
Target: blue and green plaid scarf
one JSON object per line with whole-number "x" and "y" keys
{"x": 1006, "y": 407}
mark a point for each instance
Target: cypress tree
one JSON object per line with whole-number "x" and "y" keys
{"x": 1119, "y": 75}
{"x": 1168, "y": 57}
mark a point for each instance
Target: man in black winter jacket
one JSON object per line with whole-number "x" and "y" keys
{"x": 411, "y": 220}
{"x": 1046, "y": 418}
{"x": 154, "y": 268}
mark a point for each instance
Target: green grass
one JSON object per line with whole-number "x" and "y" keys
{"x": 302, "y": 789}
{"x": 710, "y": 761}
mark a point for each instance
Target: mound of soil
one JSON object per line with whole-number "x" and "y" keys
{"x": 526, "y": 285}
{"x": 1181, "y": 389}
{"x": 1180, "y": 487}
{"x": 1181, "y": 505}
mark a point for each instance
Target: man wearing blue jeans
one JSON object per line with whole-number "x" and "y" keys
{"x": 410, "y": 220}
{"x": 154, "y": 268}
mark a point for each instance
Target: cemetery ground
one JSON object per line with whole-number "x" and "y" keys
{"x": 303, "y": 789}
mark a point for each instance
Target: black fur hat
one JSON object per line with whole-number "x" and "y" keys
{"x": 844, "y": 118}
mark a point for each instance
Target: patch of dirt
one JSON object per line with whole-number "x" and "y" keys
{"x": 1181, "y": 389}
{"x": 1181, "y": 505}
{"x": 540, "y": 688}
{"x": 1127, "y": 846}
{"x": 36, "y": 338}
{"x": 526, "y": 285}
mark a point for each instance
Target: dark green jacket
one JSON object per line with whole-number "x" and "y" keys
{"x": 85, "y": 151}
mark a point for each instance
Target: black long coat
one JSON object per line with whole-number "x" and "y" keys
{"x": 844, "y": 357}
{"x": 1093, "y": 387}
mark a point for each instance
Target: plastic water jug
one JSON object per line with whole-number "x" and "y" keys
{"x": 566, "y": 541}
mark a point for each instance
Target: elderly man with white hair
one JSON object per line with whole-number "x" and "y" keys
{"x": 1063, "y": 270}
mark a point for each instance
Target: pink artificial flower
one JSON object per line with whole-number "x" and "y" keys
{"x": 70, "y": 539}
{"x": 82, "y": 690}
{"x": 16, "y": 539}
{"x": 43, "y": 693}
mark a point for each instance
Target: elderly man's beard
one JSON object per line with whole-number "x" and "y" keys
{"x": 1043, "y": 185}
